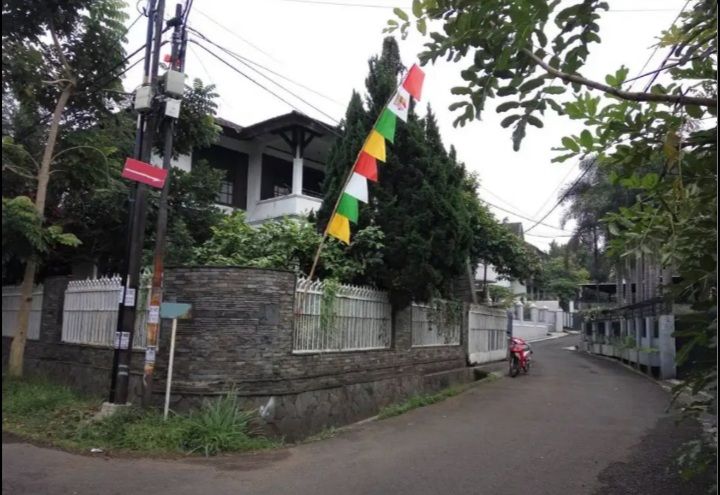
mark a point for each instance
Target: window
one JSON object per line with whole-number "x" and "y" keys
{"x": 656, "y": 328}
{"x": 225, "y": 195}
{"x": 312, "y": 182}
{"x": 276, "y": 177}
{"x": 233, "y": 187}
{"x": 643, "y": 330}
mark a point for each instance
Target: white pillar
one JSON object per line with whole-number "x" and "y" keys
{"x": 519, "y": 311}
{"x": 254, "y": 181}
{"x": 666, "y": 345}
{"x": 559, "y": 320}
{"x": 544, "y": 314}
{"x": 297, "y": 182}
{"x": 533, "y": 312}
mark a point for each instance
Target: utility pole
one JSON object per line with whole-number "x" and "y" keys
{"x": 136, "y": 231}
{"x": 176, "y": 64}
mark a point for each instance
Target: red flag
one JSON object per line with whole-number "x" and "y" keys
{"x": 366, "y": 166}
{"x": 414, "y": 81}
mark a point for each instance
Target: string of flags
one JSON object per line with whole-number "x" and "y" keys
{"x": 365, "y": 167}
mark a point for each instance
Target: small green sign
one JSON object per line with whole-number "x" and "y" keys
{"x": 173, "y": 311}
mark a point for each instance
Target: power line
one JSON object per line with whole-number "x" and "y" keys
{"x": 341, "y": 4}
{"x": 657, "y": 47}
{"x": 522, "y": 216}
{"x": 233, "y": 33}
{"x": 247, "y": 61}
{"x": 240, "y": 59}
{"x": 259, "y": 84}
{"x": 554, "y": 192}
{"x": 485, "y": 189}
{"x": 390, "y": 7}
{"x": 562, "y": 198}
{"x": 207, "y": 73}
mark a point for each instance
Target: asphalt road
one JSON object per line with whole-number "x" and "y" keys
{"x": 575, "y": 425}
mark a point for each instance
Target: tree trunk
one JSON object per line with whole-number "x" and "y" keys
{"x": 17, "y": 348}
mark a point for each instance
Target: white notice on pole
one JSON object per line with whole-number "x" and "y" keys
{"x": 150, "y": 355}
{"x": 124, "y": 340}
{"x": 154, "y": 314}
{"x": 130, "y": 297}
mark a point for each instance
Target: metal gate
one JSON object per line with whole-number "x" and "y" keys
{"x": 487, "y": 334}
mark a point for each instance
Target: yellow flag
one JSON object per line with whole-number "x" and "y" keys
{"x": 375, "y": 145}
{"x": 340, "y": 228}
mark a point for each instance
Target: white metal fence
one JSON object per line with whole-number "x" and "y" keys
{"x": 349, "y": 318}
{"x": 91, "y": 308}
{"x": 487, "y": 334}
{"x": 437, "y": 323}
{"x": 11, "y": 307}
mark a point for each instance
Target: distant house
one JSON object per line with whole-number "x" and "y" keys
{"x": 486, "y": 275}
{"x": 273, "y": 169}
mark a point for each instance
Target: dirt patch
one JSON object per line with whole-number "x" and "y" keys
{"x": 651, "y": 467}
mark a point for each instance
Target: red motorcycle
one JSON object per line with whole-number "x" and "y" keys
{"x": 519, "y": 356}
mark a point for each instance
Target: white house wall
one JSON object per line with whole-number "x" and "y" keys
{"x": 258, "y": 210}
{"x": 183, "y": 162}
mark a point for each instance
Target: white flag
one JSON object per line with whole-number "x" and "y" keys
{"x": 400, "y": 103}
{"x": 357, "y": 187}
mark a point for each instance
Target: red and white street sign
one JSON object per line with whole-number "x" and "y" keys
{"x": 145, "y": 173}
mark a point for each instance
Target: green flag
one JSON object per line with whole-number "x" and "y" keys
{"x": 348, "y": 207}
{"x": 386, "y": 125}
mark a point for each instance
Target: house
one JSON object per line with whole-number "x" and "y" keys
{"x": 486, "y": 274}
{"x": 273, "y": 169}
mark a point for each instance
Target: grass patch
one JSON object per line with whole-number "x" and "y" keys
{"x": 325, "y": 434}
{"x": 419, "y": 401}
{"x": 427, "y": 399}
{"x": 49, "y": 413}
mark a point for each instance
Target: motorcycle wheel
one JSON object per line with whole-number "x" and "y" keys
{"x": 514, "y": 367}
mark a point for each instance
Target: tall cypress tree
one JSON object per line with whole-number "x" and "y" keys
{"x": 418, "y": 201}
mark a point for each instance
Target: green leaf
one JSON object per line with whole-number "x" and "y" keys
{"x": 694, "y": 111}
{"x": 461, "y": 90}
{"x": 508, "y": 105}
{"x": 532, "y": 84}
{"x": 586, "y": 139}
{"x": 554, "y": 90}
{"x": 507, "y": 91}
{"x": 417, "y": 8}
{"x": 401, "y": 14}
{"x": 532, "y": 120}
{"x": 570, "y": 144}
{"x": 507, "y": 121}
{"x": 649, "y": 181}
{"x": 422, "y": 26}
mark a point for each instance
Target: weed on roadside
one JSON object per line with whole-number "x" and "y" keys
{"x": 49, "y": 413}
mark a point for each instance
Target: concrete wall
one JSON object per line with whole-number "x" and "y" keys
{"x": 529, "y": 331}
{"x": 240, "y": 338}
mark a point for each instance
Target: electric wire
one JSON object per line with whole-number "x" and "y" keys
{"x": 562, "y": 198}
{"x": 244, "y": 59}
{"x": 231, "y": 66}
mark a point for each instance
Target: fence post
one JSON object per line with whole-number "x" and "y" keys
{"x": 534, "y": 312}
{"x": 519, "y": 310}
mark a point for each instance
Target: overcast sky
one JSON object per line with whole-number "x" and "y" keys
{"x": 325, "y": 47}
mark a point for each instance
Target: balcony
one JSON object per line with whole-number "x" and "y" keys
{"x": 291, "y": 205}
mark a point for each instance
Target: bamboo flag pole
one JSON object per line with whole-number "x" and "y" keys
{"x": 347, "y": 180}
